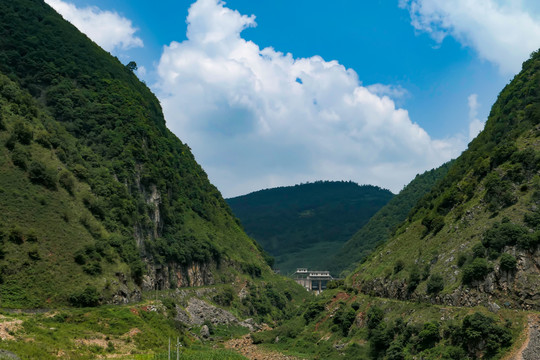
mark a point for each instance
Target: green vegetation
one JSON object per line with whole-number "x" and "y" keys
{"x": 341, "y": 324}
{"x": 478, "y": 218}
{"x": 304, "y": 225}
{"x": 93, "y": 185}
{"x": 381, "y": 226}
{"x": 131, "y": 332}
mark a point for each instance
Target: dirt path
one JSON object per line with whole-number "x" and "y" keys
{"x": 530, "y": 349}
{"x": 246, "y": 347}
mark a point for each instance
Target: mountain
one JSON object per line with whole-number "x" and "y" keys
{"x": 460, "y": 277}
{"x": 384, "y": 222}
{"x": 302, "y": 225}
{"x": 473, "y": 239}
{"x": 98, "y": 199}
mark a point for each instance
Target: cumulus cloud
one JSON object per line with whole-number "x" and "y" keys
{"x": 475, "y": 125}
{"x": 502, "y": 32}
{"x": 259, "y": 118}
{"x": 394, "y": 92}
{"x": 108, "y": 29}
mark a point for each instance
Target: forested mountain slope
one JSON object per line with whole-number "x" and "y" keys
{"x": 303, "y": 225}
{"x": 98, "y": 199}
{"x": 474, "y": 238}
{"x": 384, "y": 222}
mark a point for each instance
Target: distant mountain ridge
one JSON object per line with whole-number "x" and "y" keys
{"x": 303, "y": 225}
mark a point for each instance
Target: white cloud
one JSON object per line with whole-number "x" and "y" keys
{"x": 503, "y": 32}
{"x": 475, "y": 125}
{"x": 259, "y": 118}
{"x": 392, "y": 91}
{"x": 108, "y": 29}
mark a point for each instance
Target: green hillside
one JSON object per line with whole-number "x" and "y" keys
{"x": 459, "y": 278}
{"x": 384, "y": 222}
{"x": 474, "y": 238}
{"x": 302, "y": 225}
{"x": 96, "y": 194}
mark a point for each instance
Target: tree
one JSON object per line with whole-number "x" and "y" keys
{"x": 132, "y": 66}
{"x": 435, "y": 284}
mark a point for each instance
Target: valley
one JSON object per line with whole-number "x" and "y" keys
{"x": 114, "y": 243}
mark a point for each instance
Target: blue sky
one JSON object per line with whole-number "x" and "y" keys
{"x": 273, "y": 92}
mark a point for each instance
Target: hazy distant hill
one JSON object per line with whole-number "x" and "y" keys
{"x": 303, "y": 225}
{"x": 380, "y": 226}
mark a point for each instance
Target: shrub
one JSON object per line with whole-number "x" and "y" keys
{"x": 379, "y": 340}
{"x": 395, "y": 351}
{"x": 508, "y": 262}
{"x": 31, "y": 235}
{"x": 313, "y": 310}
{"x": 532, "y": 219}
{"x": 67, "y": 181}
{"x": 80, "y": 172}
{"x": 344, "y": 318}
{"x": 334, "y": 284}
{"x": 225, "y": 297}
{"x": 435, "y": 284}
{"x": 479, "y": 251}
{"x": 93, "y": 268}
{"x": 429, "y": 335}
{"x": 478, "y": 328}
{"x": 530, "y": 242}
{"x": 20, "y": 157}
{"x": 398, "y": 266}
{"x": 89, "y": 297}
{"x": 43, "y": 138}
{"x": 476, "y": 271}
{"x": 462, "y": 259}
{"x": 16, "y": 235}
{"x": 23, "y": 133}
{"x": 414, "y": 279}
{"x": 39, "y": 174}
{"x": 498, "y": 192}
{"x": 433, "y": 223}
{"x": 375, "y": 316}
{"x": 33, "y": 254}
{"x": 503, "y": 234}
{"x": 426, "y": 271}
{"x": 252, "y": 269}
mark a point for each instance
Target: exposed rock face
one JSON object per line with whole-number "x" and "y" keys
{"x": 170, "y": 275}
{"x": 200, "y": 311}
{"x": 518, "y": 289}
{"x": 123, "y": 293}
{"x": 154, "y": 199}
{"x": 174, "y": 275}
{"x": 205, "y": 332}
{"x": 532, "y": 352}
{"x": 197, "y": 312}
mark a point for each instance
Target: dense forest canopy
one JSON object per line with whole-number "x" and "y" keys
{"x": 303, "y": 225}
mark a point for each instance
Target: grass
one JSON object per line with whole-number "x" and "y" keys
{"x": 132, "y": 332}
{"x": 190, "y": 354}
